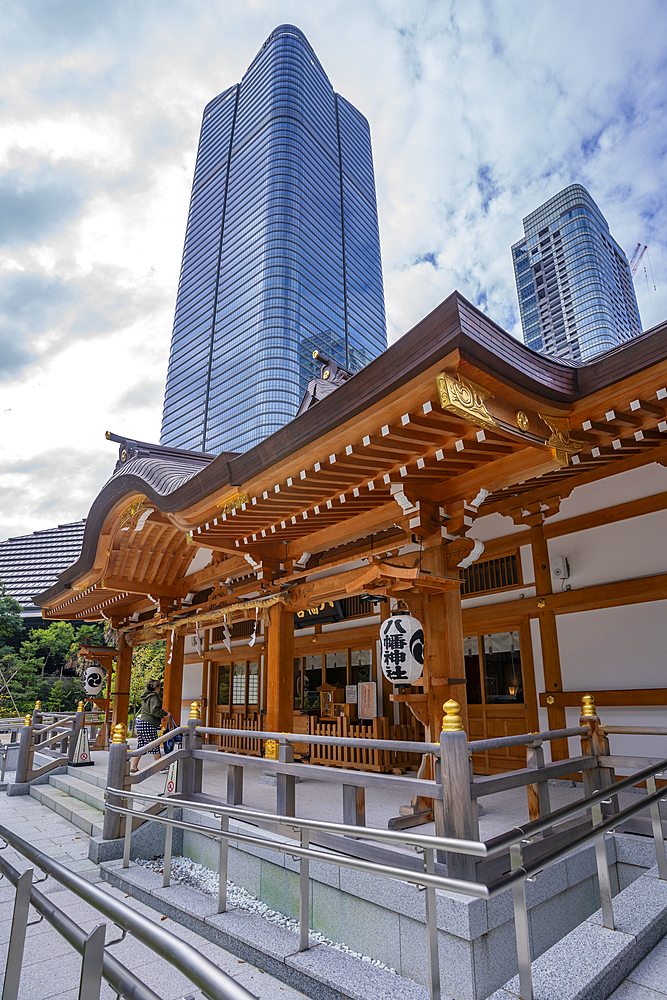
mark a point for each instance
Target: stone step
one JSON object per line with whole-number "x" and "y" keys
{"x": 86, "y": 817}
{"x": 96, "y": 775}
{"x": 79, "y": 788}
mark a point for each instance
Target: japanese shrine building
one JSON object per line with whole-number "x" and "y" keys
{"x": 515, "y": 504}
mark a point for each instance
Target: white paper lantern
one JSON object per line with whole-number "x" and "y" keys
{"x": 402, "y": 648}
{"x": 94, "y": 679}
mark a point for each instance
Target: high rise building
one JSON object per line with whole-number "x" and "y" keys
{"x": 576, "y": 294}
{"x": 282, "y": 253}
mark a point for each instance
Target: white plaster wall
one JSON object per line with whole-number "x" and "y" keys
{"x": 624, "y": 647}
{"x": 499, "y": 598}
{"x": 622, "y": 488}
{"x": 201, "y": 559}
{"x": 617, "y": 648}
{"x": 192, "y": 682}
{"x": 619, "y": 551}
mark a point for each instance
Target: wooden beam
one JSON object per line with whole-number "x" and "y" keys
{"x": 631, "y": 697}
{"x": 443, "y": 635}
{"x": 280, "y": 670}
{"x": 553, "y": 679}
{"x": 142, "y": 587}
{"x": 549, "y": 488}
{"x": 604, "y": 595}
{"x": 505, "y": 471}
{"x": 346, "y": 530}
{"x": 121, "y": 692}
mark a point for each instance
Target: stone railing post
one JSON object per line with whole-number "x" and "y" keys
{"x": 457, "y": 801}
{"x": 190, "y": 770}
{"x": 24, "y": 759}
{"x": 285, "y": 785}
{"x": 116, "y": 774}
{"x": 596, "y": 745}
{"x": 37, "y": 720}
{"x": 77, "y": 725}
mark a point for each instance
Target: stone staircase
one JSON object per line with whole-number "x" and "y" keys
{"x": 77, "y": 796}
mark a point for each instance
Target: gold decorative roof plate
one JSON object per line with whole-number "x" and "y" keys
{"x": 134, "y": 515}
{"x": 560, "y": 438}
{"x": 233, "y": 501}
{"x": 465, "y": 398}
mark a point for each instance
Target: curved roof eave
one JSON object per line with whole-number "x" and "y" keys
{"x": 453, "y": 325}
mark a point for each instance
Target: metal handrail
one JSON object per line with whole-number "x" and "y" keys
{"x": 567, "y": 812}
{"x": 158, "y": 742}
{"x": 403, "y": 746}
{"x": 213, "y": 982}
{"x": 475, "y": 847}
{"x": 122, "y": 980}
{"x": 516, "y": 741}
{"x": 515, "y": 839}
{"x": 634, "y": 730}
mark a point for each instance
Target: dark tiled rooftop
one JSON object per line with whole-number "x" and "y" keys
{"x": 30, "y": 564}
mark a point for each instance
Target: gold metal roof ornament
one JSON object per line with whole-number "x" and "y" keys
{"x": 465, "y": 398}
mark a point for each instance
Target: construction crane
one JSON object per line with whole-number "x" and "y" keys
{"x": 635, "y": 261}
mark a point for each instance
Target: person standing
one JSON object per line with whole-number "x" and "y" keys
{"x": 149, "y": 719}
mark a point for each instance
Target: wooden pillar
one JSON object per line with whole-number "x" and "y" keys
{"x": 173, "y": 676}
{"x": 121, "y": 688}
{"x": 553, "y": 680}
{"x": 280, "y": 670}
{"x": 443, "y": 640}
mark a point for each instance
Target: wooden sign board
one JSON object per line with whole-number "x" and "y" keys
{"x": 367, "y": 707}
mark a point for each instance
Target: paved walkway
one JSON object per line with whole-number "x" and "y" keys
{"x": 51, "y": 967}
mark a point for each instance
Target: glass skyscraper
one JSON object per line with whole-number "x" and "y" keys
{"x": 576, "y": 294}
{"x": 281, "y": 256}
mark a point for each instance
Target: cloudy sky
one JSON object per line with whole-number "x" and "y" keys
{"x": 479, "y": 112}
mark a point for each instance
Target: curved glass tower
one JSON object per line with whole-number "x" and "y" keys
{"x": 281, "y": 255}
{"x": 576, "y": 294}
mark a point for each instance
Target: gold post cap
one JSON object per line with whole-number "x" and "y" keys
{"x": 28, "y": 720}
{"x": 452, "y": 722}
{"x": 588, "y": 705}
{"x": 80, "y": 707}
{"x": 38, "y": 706}
{"x": 194, "y": 710}
{"x": 119, "y": 733}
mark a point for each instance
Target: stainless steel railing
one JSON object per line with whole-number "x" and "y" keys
{"x": 562, "y": 842}
{"x": 96, "y": 962}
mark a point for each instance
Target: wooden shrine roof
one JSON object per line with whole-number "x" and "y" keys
{"x": 457, "y": 406}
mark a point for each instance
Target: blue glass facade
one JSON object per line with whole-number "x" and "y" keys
{"x": 576, "y": 294}
{"x": 281, "y": 255}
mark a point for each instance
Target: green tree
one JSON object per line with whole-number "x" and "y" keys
{"x": 147, "y": 663}
{"x": 11, "y": 621}
{"x": 56, "y": 702}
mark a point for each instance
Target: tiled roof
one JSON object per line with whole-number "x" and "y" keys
{"x": 30, "y": 564}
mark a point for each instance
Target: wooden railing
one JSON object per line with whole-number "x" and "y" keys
{"x": 236, "y": 744}
{"x": 360, "y": 757}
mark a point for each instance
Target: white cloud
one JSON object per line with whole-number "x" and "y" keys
{"x": 478, "y": 111}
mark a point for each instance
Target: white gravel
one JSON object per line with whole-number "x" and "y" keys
{"x": 206, "y": 880}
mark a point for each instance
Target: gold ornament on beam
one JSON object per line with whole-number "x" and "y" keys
{"x": 465, "y": 398}
{"x": 522, "y": 421}
{"x": 560, "y": 440}
{"x": 233, "y": 502}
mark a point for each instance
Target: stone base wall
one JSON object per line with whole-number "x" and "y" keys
{"x": 385, "y": 919}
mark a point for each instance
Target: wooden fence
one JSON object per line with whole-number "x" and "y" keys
{"x": 383, "y": 761}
